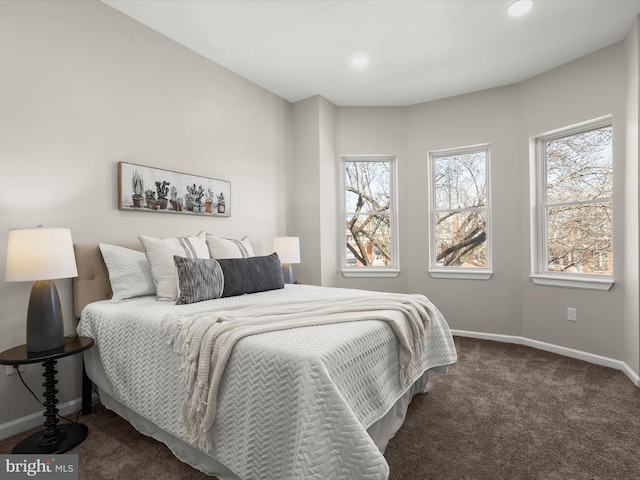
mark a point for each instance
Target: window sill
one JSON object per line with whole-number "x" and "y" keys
{"x": 362, "y": 272}
{"x": 466, "y": 274}
{"x": 590, "y": 282}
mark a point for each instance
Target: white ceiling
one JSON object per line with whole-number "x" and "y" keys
{"x": 420, "y": 50}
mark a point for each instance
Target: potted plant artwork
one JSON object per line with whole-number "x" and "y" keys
{"x": 162, "y": 188}
{"x": 208, "y": 200}
{"x": 198, "y": 198}
{"x": 150, "y": 189}
{"x": 221, "y": 203}
{"x": 188, "y": 201}
{"x": 173, "y": 194}
{"x": 196, "y": 194}
{"x": 138, "y": 189}
{"x": 150, "y": 197}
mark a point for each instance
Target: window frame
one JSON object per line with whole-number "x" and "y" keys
{"x": 540, "y": 275}
{"x": 435, "y": 270}
{"x": 371, "y": 271}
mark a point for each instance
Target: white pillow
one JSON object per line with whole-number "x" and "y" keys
{"x": 160, "y": 252}
{"x": 228, "y": 247}
{"x": 129, "y": 272}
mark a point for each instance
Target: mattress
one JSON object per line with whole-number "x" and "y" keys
{"x": 303, "y": 403}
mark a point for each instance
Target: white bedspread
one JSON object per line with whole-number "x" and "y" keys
{"x": 292, "y": 404}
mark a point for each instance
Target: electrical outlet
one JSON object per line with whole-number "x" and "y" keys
{"x": 12, "y": 370}
{"x": 571, "y": 314}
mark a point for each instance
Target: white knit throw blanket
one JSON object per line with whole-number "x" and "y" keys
{"x": 207, "y": 339}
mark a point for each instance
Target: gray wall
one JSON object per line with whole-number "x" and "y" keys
{"x": 631, "y": 202}
{"x": 590, "y": 87}
{"x": 83, "y": 87}
{"x": 314, "y": 191}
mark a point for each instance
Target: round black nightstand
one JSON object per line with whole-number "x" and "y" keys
{"x": 53, "y": 439}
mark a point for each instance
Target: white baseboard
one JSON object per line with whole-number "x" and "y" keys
{"x": 549, "y": 347}
{"x": 22, "y": 424}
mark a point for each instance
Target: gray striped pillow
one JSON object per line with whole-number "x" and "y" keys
{"x": 229, "y": 247}
{"x": 198, "y": 279}
{"x": 160, "y": 252}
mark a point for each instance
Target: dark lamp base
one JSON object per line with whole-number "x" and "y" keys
{"x": 68, "y": 436}
{"x": 45, "y": 328}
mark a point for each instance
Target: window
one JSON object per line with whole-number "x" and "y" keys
{"x": 370, "y": 247}
{"x": 459, "y": 213}
{"x": 574, "y": 207}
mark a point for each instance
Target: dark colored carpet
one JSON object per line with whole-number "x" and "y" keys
{"x": 503, "y": 412}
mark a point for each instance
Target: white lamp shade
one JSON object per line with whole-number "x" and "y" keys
{"x": 40, "y": 254}
{"x": 287, "y": 248}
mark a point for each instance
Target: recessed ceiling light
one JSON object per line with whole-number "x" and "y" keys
{"x": 359, "y": 61}
{"x": 519, "y": 7}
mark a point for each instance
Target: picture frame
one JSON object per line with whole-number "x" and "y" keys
{"x": 156, "y": 190}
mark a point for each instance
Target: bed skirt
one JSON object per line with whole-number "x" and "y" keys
{"x": 380, "y": 431}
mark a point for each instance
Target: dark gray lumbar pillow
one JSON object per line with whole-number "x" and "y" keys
{"x": 251, "y": 275}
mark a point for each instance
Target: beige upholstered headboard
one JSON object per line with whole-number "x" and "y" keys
{"x": 92, "y": 283}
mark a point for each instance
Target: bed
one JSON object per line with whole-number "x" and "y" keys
{"x": 315, "y": 401}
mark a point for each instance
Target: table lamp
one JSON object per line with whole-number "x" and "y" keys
{"x": 41, "y": 255}
{"x": 288, "y": 250}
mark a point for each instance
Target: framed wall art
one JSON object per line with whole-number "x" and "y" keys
{"x": 148, "y": 189}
